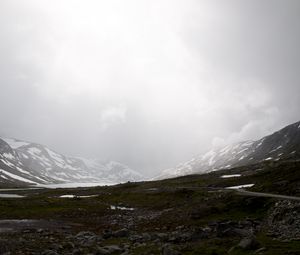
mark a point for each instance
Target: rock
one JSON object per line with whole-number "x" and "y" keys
{"x": 69, "y": 245}
{"x": 146, "y": 237}
{"x": 121, "y": 233}
{"x": 136, "y": 238}
{"x": 180, "y": 236}
{"x": 238, "y": 232}
{"x": 49, "y": 252}
{"x": 248, "y": 243}
{"x": 87, "y": 238}
{"x": 260, "y": 250}
{"x": 107, "y": 233}
{"x": 185, "y": 237}
{"x": 101, "y": 251}
{"x": 112, "y": 249}
{"x": 56, "y": 247}
{"x": 4, "y": 246}
{"x": 162, "y": 236}
{"x": 84, "y": 234}
{"x": 168, "y": 250}
{"x": 231, "y": 250}
{"x": 77, "y": 252}
{"x": 140, "y": 245}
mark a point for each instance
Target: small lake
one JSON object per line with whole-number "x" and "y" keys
{"x": 53, "y": 186}
{"x": 2, "y": 195}
{"x": 75, "y": 185}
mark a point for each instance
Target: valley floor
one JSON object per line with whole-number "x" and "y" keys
{"x": 194, "y": 214}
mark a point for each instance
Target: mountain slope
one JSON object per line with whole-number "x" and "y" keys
{"x": 24, "y": 162}
{"x": 283, "y": 144}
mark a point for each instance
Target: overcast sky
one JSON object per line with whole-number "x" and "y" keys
{"x": 147, "y": 83}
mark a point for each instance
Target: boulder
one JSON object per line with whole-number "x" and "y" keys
{"x": 121, "y": 233}
{"x": 168, "y": 250}
{"x": 248, "y": 243}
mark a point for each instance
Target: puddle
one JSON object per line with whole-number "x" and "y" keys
{"x": 113, "y": 207}
{"x": 74, "y": 196}
{"x": 76, "y": 185}
{"x": 17, "y": 189}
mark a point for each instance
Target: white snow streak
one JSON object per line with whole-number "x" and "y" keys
{"x": 16, "y": 176}
{"x": 241, "y": 186}
{"x": 230, "y": 175}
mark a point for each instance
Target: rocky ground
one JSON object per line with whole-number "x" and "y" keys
{"x": 124, "y": 241}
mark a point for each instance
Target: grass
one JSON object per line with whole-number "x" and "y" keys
{"x": 191, "y": 201}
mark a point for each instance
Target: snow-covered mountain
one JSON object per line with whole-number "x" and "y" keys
{"x": 283, "y": 144}
{"x": 24, "y": 162}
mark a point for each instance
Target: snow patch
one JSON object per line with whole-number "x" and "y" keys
{"x": 22, "y": 171}
{"x": 242, "y": 157}
{"x": 242, "y": 150}
{"x": 8, "y": 156}
{"x": 260, "y": 143}
{"x": 241, "y": 186}
{"x": 276, "y": 149}
{"x": 270, "y": 158}
{"x": 7, "y": 163}
{"x": 25, "y": 156}
{"x": 209, "y": 156}
{"x": 34, "y": 151}
{"x": 56, "y": 157}
{"x": 16, "y": 177}
{"x": 225, "y": 150}
{"x": 230, "y": 175}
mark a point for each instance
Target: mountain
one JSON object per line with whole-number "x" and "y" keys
{"x": 31, "y": 163}
{"x": 281, "y": 145}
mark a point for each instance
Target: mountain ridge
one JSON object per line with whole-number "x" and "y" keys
{"x": 24, "y": 162}
{"x": 282, "y": 144}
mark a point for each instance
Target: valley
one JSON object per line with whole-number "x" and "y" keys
{"x": 240, "y": 199}
{"x": 194, "y": 214}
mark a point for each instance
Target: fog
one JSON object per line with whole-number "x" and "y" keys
{"x": 147, "y": 83}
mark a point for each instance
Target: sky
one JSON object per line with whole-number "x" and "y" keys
{"x": 147, "y": 83}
